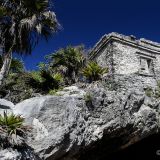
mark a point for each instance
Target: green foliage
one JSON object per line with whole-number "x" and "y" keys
{"x": 54, "y": 91}
{"x": 16, "y": 87}
{"x": 58, "y": 78}
{"x": 36, "y": 75}
{"x": 11, "y": 124}
{"x": 93, "y": 71}
{"x": 21, "y": 30}
{"x": 17, "y": 66}
{"x": 41, "y": 65}
{"x": 3, "y": 11}
{"x": 88, "y": 97}
{"x": 68, "y": 61}
{"x": 149, "y": 92}
{"x": 89, "y": 100}
{"x": 44, "y": 81}
{"x": 157, "y": 90}
{"x": 22, "y": 24}
{"x": 12, "y": 130}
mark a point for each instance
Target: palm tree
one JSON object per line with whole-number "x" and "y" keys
{"x": 16, "y": 66}
{"x": 22, "y": 23}
{"x": 69, "y": 61}
{"x": 93, "y": 71}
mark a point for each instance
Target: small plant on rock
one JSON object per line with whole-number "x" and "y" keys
{"x": 157, "y": 90}
{"x": 88, "y": 99}
{"x": 12, "y": 129}
{"x": 55, "y": 91}
{"x": 149, "y": 92}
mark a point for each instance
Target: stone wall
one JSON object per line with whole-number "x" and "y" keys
{"x": 130, "y": 64}
{"x": 129, "y": 82}
{"x": 127, "y": 67}
{"x": 105, "y": 57}
{"x": 127, "y": 60}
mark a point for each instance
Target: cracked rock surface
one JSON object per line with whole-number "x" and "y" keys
{"x": 67, "y": 127}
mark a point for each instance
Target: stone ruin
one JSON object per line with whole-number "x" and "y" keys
{"x": 132, "y": 63}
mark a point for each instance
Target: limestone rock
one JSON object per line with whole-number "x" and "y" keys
{"x": 6, "y": 105}
{"x": 72, "y": 90}
{"x": 22, "y": 153}
{"x": 67, "y": 128}
{"x": 9, "y": 155}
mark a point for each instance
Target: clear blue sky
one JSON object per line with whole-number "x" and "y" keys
{"x": 85, "y": 21}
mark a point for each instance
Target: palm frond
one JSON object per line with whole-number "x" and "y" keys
{"x": 93, "y": 71}
{"x": 26, "y": 21}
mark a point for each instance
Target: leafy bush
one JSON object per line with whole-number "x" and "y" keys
{"x": 93, "y": 71}
{"x": 43, "y": 81}
{"x": 17, "y": 88}
{"x": 36, "y": 75}
{"x": 17, "y": 66}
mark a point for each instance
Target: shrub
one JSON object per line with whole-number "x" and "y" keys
{"x": 17, "y": 87}
{"x": 36, "y": 75}
{"x": 44, "y": 80}
{"x": 93, "y": 71}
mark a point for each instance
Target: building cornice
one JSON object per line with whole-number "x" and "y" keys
{"x": 142, "y": 43}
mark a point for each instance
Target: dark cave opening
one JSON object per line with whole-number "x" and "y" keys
{"x": 148, "y": 149}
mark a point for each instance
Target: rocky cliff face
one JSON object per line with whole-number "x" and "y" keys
{"x": 85, "y": 124}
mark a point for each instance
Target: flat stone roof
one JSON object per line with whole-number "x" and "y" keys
{"x": 141, "y": 43}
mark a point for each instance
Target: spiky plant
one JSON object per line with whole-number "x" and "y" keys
{"x": 12, "y": 127}
{"x": 11, "y": 123}
{"x": 93, "y": 71}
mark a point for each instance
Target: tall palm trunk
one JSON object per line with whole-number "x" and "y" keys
{"x": 7, "y": 59}
{"x": 5, "y": 67}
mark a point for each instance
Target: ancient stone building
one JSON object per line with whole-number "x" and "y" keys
{"x": 131, "y": 62}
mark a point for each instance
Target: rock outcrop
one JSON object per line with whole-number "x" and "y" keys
{"x": 79, "y": 127}
{"x": 6, "y": 106}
